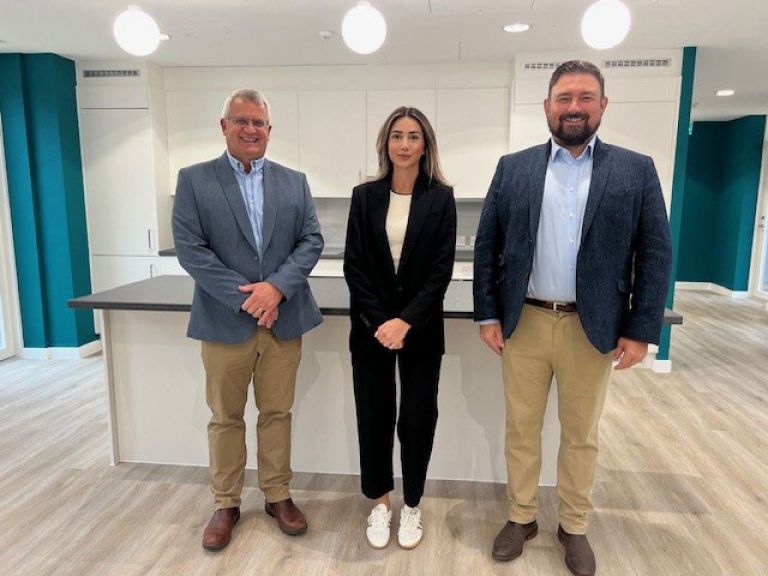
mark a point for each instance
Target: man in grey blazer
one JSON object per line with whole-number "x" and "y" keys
{"x": 247, "y": 232}
{"x": 572, "y": 264}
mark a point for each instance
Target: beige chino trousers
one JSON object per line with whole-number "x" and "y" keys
{"x": 271, "y": 366}
{"x": 546, "y": 343}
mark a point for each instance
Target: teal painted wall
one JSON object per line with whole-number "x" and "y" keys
{"x": 721, "y": 198}
{"x": 40, "y": 135}
{"x": 679, "y": 183}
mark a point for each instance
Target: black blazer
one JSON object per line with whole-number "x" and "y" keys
{"x": 415, "y": 293}
{"x": 624, "y": 262}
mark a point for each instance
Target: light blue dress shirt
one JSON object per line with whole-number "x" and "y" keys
{"x": 566, "y": 188}
{"x": 252, "y": 188}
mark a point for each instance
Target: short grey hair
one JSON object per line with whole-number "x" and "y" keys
{"x": 245, "y": 94}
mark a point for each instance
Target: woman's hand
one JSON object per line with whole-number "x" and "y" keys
{"x": 392, "y": 333}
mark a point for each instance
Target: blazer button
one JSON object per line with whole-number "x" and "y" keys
{"x": 399, "y": 288}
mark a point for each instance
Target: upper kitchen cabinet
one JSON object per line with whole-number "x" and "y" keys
{"x": 472, "y": 133}
{"x": 380, "y": 104}
{"x": 194, "y": 132}
{"x": 124, "y": 143}
{"x": 119, "y": 181}
{"x": 332, "y": 140}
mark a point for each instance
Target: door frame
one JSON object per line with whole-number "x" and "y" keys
{"x": 760, "y": 238}
{"x": 9, "y": 291}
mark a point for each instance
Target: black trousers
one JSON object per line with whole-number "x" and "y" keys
{"x": 375, "y": 399}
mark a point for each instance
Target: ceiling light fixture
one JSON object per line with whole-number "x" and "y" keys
{"x": 136, "y": 32}
{"x": 725, "y": 93}
{"x": 363, "y": 28}
{"x": 517, "y": 27}
{"x": 605, "y": 24}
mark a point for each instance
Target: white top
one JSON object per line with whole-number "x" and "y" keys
{"x": 397, "y": 222}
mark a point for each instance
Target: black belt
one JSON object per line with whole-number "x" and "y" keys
{"x": 554, "y": 306}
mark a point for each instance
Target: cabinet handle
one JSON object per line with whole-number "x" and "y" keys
{"x": 150, "y": 240}
{"x": 152, "y": 272}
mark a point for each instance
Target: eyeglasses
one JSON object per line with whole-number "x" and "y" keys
{"x": 243, "y": 122}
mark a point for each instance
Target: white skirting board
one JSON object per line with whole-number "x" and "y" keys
{"x": 711, "y": 287}
{"x": 62, "y": 353}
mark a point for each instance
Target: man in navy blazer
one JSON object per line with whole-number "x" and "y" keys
{"x": 247, "y": 232}
{"x": 572, "y": 263}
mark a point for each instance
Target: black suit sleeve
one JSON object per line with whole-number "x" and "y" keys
{"x": 365, "y": 295}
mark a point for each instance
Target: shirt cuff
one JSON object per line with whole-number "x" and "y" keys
{"x": 488, "y": 321}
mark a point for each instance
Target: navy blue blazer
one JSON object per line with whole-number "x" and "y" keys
{"x": 625, "y": 257}
{"x": 415, "y": 291}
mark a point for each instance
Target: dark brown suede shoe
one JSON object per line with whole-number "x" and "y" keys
{"x": 218, "y": 533}
{"x": 579, "y": 556}
{"x": 290, "y": 519}
{"x": 508, "y": 544}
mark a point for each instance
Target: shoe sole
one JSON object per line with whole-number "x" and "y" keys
{"x": 500, "y": 558}
{"x": 411, "y": 547}
{"x": 286, "y": 529}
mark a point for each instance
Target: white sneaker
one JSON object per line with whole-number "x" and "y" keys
{"x": 378, "y": 526}
{"x": 410, "y": 532}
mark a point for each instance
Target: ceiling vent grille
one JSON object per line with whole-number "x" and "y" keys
{"x": 111, "y": 73}
{"x": 529, "y": 66}
{"x": 639, "y": 63}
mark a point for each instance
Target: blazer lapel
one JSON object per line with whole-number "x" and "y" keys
{"x": 601, "y": 168}
{"x": 379, "y": 205}
{"x": 271, "y": 201}
{"x": 538, "y": 176}
{"x": 235, "y": 198}
{"x": 421, "y": 204}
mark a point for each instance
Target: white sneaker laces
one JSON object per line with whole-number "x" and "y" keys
{"x": 411, "y": 519}
{"x": 378, "y": 518}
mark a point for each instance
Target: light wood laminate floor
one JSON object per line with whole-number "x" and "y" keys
{"x": 681, "y": 484}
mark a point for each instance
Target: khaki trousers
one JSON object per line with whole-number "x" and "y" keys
{"x": 271, "y": 365}
{"x": 546, "y": 343}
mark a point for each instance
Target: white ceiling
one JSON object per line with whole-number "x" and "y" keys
{"x": 732, "y": 35}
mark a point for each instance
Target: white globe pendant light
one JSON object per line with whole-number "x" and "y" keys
{"x": 363, "y": 28}
{"x": 605, "y": 24}
{"x": 136, "y": 32}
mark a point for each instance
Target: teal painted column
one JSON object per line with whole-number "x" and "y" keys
{"x": 39, "y": 112}
{"x": 21, "y": 195}
{"x": 678, "y": 182}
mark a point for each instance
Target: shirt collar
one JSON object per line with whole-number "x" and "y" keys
{"x": 257, "y": 166}
{"x": 587, "y": 153}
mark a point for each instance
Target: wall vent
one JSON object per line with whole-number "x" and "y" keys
{"x": 638, "y": 63}
{"x": 111, "y": 73}
{"x": 528, "y": 66}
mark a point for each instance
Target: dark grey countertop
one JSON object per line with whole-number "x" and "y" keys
{"x": 337, "y": 253}
{"x": 174, "y": 294}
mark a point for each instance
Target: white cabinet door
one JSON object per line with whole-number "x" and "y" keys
{"x": 381, "y": 103}
{"x": 109, "y": 272}
{"x": 472, "y": 126}
{"x": 118, "y": 169}
{"x": 332, "y": 140}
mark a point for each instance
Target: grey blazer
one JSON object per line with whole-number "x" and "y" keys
{"x": 625, "y": 258}
{"x": 215, "y": 244}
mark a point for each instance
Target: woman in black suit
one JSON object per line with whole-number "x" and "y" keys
{"x": 398, "y": 260}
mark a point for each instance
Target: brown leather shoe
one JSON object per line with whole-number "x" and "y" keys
{"x": 218, "y": 533}
{"x": 290, "y": 519}
{"x": 508, "y": 544}
{"x": 579, "y": 556}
